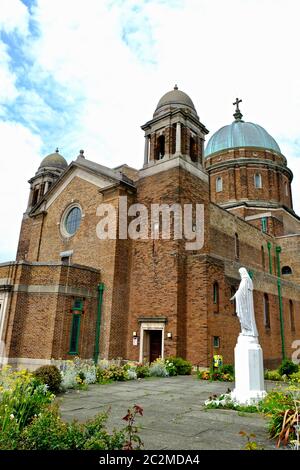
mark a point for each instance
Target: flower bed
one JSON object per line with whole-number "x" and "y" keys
{"x": 281, "y": 406}
{"x": 29, "y": 420}
{"x": 215, "y": 375}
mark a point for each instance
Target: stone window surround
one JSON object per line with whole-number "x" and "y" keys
{"x": 64, "y": 216}
{"x": 258, "y": 180}
{"x": 4, "y": 297}
{"x": 219, "y": 184}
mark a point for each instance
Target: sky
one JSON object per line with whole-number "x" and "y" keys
{"x": 87, "y": 74}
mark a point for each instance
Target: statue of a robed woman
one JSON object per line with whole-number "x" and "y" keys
{"x": 244, "y": 304}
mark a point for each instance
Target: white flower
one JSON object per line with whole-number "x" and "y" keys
{"x": 12, "y": 416}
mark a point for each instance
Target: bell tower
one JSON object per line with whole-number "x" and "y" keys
{"x": 175, "y": 130}
{"x": 48, "y": 172}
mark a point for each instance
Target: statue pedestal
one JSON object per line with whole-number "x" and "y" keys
{"x": 249, "y": 370}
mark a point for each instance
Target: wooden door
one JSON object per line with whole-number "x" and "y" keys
{"x": 155, "y": 344}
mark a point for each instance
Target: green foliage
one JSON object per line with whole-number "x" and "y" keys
{"x": 227, "y": 369}
{"x": 170, "y": 367}
{"x": 182, "y": 366}
{"x": 282, "y": 407}
{"x": 19, "y": 403}
{"x": 49, "y": 375}
{"x": 276, "y": 400}
{"x": 49, "y": 432}
{"x": 225, "y": 402}
{"x": 251, "y": 444}
{"x": 295, "y": 378}
{"x": 214, "y": 376}
{"x": 288, "y": 367}
{"x": 142, "y": 370}
{"x": 273, "y": 375}
{"x": 30, "y": 421}
{"x": 158, "y": 369}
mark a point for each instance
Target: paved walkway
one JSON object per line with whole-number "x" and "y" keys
{"x": 174, "y": 417}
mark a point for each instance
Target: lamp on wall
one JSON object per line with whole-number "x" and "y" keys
{"x": 169, "y": 335}
{"x": 134, "y": 333}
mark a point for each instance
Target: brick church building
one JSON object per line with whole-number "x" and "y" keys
{"x": 70, "y": 293}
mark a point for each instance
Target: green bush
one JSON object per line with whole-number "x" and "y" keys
{"x": 272, "y": 375}
{"x": 48, "y": 432}
{"x": 18, "y": 406}
{"x": 171, "y": 368}
{"x": 49, "y": 375}
{"x": 158, "y": 369}
{"x": 182, "y": 366}
{"x": 288, "y": 367}
{"x": 295, "y": 377}
{"x": 112, "y": 373}
{"x": 142, "y": 370}
{"x": 227, "y": 369}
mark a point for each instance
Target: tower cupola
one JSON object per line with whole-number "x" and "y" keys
{"x": 50, "y": 169}
{"x": 175, "y": 130}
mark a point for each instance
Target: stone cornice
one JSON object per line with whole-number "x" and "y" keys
{"x": 173, "y": 162}
{"x": 171, "y": 114}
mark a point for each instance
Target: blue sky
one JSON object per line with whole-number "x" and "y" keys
{"x": 87, "y": 74}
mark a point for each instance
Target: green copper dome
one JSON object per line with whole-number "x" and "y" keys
{"x": 240, "y": 134}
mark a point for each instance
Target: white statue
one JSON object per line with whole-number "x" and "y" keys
{"x": 244, "y": 304}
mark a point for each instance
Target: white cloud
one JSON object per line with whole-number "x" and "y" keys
{"x": 20, "y": 157}
{"x": 8, "y": 90}
{"x": 14, "y": 16}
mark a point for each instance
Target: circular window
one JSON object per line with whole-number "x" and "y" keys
{"x": 72, "y": 220}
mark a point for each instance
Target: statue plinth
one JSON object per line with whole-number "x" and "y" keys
{"x": 249, "y": 370}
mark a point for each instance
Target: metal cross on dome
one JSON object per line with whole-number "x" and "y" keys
{"x": 238, "y": 115}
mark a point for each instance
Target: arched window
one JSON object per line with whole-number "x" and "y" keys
{"x": 263, "y": 258}
{"x": 216, "y": 296}
{"x": 35, "y": 196}
{"x": 237, "y": 246}
{"x": 266, "y": 311}
{"x": 193, "y": 149}
{"x": 257, "y": 180}
{"x": 219, "y": 184}
{"x": 160, "y": 149}
{"x": 292, "y": 316}
{"x": 232, "y": 292}
{"x": 286, "y": 189}
{"x": 286, "y": 270}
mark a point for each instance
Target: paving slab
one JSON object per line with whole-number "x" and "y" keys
{"x": 174, "y": 415}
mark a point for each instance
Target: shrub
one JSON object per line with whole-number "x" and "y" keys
{"x": 170, "y": 367}
{"x": 49, "y": 375}
{"x": 131, "y": 374}
{"x": 158, "y": 369}
{"x": 77, "y": 373}
{"x": 272, "y": 375}
{"x": 288, "y": 367}
{"x": 112, "y": 373}
{"x": 19, "y": 404}
{"x": 295, "y": 377}
{"x": 48, "y": 432}
{"x": 182, "y": 366}
{"x": 225, "y": 401}
{"x": 283, "y": 408}
{"x": 142, "y": 370}
{"x": 227, "y": 369}
{"x": 217, "y": 376}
